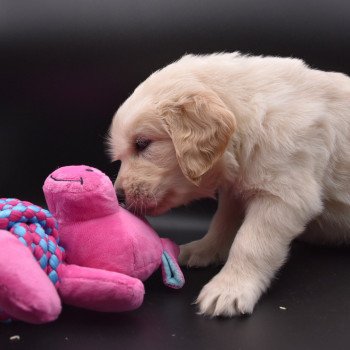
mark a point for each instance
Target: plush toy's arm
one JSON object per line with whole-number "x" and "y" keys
{"x": 171, "y": 271}
{"x": 26, "y": 292}
{"x": 100, "y": 290}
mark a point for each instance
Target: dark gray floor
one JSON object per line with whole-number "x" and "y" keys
{"x": 313, "y": 287}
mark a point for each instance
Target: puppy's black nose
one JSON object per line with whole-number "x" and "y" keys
{"x": 121, "y": 196}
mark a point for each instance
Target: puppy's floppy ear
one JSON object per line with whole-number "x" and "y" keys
{"x": 200, "y": 126}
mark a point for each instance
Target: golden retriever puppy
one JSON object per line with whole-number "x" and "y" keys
{"x": 270, "y": 135}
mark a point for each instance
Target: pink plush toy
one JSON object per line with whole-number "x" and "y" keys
{"x": 109, "y": 252}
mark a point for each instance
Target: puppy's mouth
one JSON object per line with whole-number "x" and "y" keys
{"x": 149, "y": 211}
{"x": 151, "y": 208}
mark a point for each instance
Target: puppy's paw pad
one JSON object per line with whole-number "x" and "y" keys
{"x": 223, "y": 298}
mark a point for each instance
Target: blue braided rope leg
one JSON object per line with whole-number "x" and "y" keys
{"x": 36, "y": 229}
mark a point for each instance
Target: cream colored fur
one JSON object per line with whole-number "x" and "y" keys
{"x": 269, "y": 134}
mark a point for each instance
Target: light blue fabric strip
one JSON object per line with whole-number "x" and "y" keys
{"x": 173, "y": 276}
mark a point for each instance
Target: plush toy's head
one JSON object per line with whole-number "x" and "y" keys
{"x": 70, "y": 190}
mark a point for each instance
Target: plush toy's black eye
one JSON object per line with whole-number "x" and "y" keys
{"x": 142, "y": 144}
{"x": 88, "y": 170}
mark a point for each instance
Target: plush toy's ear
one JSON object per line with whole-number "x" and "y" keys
{"x": 200, "y": 126}
{"x": 171, "y": 271}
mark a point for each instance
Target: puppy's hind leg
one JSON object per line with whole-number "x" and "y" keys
{"x": 214, "y": 247}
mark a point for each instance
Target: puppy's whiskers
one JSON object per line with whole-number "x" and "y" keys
{"x": 130, "y": 205}
{"x": 141, "y": 208}
{"x": 155, "y": 199}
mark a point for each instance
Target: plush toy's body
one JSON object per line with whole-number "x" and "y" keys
{"x": 109, "y": 252}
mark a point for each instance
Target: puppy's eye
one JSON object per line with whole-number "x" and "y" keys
{"x": 142, "y": 144}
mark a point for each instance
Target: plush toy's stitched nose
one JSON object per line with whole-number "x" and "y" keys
{"x": 121, "y": 196}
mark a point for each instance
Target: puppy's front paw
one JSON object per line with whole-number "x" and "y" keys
{"x": 198, "y": 254}
{"x": 227, "y": 295}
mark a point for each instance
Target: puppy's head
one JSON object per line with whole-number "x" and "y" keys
{"x": 170, "y": 139}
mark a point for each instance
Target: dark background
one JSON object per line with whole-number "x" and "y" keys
{"x": 65, "y": 68}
